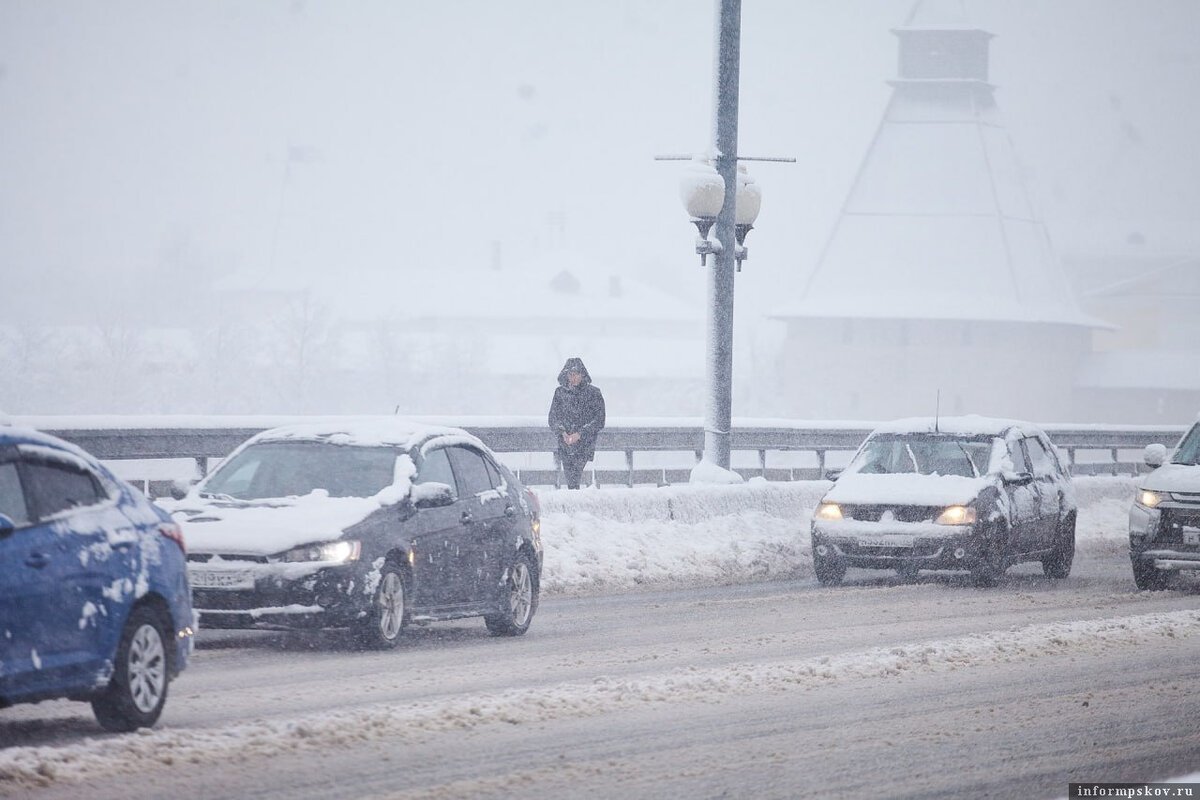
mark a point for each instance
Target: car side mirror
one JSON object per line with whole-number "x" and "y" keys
{"x": 1017, "y": 478}
{"x": 7, "y": 526}
{"x": 1155, "y": 455}
{"x": 432, "y": 495}
{"x": 833, "y": 474}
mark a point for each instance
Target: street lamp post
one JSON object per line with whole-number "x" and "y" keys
{"x": 719, "y": 409}
{"x": 719, "y": 193}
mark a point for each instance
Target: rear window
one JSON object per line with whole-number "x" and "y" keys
{"x": 294, "y": 469}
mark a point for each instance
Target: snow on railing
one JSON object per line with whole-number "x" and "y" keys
{"x": 629, "y": 452}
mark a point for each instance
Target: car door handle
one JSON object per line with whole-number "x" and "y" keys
{"x": 37, "y": 560}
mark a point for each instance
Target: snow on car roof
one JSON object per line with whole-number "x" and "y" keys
{"x": 365, "y": 432}
{"x": 968, "y": 424}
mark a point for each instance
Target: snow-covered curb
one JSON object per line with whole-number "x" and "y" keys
{"x": 620, "y": 539}
{"x": 38, "y": 766}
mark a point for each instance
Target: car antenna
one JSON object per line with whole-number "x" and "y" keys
{"x": 937, "y": 411}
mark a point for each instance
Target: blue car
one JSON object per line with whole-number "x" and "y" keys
{"x": 94, "y": 597}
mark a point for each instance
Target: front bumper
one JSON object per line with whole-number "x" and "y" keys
{"x": 1166, "y": 538}
{"x": 1167, "y": 559}
{"x": 328, "y": 597}
{"x": 942, "y": 547}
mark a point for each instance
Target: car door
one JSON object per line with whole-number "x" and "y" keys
{"x": 1045, "y": 479}
{"x": 436, "y": 533}
{"x": 1023, "y": 500}
{"x": 481, "y": 557}
{"x": 23, "y": 589}
{"x": 71, "y": 571}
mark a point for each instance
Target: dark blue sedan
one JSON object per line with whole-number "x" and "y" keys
{"x": 94, "y": 598}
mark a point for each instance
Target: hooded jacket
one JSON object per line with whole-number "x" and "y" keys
{"x": 576, "y": 409}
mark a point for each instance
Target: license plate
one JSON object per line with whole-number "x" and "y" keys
{"x": 221, "y": 579}
{"x": 1191, "y": 535}
{"x": 896, "y": 540}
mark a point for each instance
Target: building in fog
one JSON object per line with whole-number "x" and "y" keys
{"x": 938, "y": 287}
{"x": 1145, "y": 280}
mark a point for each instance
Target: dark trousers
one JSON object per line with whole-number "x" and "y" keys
{"x": 572, "y": 465}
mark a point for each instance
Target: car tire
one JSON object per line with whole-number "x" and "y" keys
{"x": 1058, "y": 564}
{"x": 993, "y": 562}
{"x": 519, "y": 602}
{"x": 829, "y": 571}
{"x": 137, "y": 691}
{"x": 384, "y": 624}
{"x": 1148, "y": 577}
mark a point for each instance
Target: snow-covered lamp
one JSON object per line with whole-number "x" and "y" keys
{"x": 702, "y": 191}
{"x": 749, "y": 202}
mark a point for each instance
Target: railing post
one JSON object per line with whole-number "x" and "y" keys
{"x": 629, "y": 465}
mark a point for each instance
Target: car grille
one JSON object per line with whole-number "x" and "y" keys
{"x": 874, "y": 513}
{"x": 1174, "y": 520}
{"x": 920, "y": 549}
{"x": 208, "y": 600}
{"x": 202, "y": 558}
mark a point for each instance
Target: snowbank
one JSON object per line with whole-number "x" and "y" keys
{"x": 618, "y": 539}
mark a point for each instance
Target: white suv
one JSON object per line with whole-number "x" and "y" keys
{"x": 1164, "y": 522}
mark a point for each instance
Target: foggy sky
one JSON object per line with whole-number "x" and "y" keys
{"x": 164, "y": 143}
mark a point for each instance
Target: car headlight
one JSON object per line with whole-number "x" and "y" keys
{"x": 828, "y": 511}
{"x": 1150, "y": 499}
{"x": 956, "y": 515}
{"x": 339, "y": 552}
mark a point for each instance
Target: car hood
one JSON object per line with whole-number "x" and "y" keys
{"x": 910, "y": 490}
{"x": 1173, "y": 478}
{"x": 267, "y": 527}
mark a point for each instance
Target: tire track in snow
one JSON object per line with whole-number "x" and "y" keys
{"x": 42, "y": 766}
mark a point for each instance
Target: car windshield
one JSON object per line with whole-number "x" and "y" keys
{"x": 924, "y": 454}
{"x": 294, "y": 469}
{"x": 1189, "y": 448}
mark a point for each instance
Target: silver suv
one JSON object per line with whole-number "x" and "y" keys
{"x": 1164, "y": 521}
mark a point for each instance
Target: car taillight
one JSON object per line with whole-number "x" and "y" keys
{"x": 172, "y": 532}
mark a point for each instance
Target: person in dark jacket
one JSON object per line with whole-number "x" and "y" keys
{"x": 576, "y": 416}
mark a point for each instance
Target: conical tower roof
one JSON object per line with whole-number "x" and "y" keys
{"x": 938, "y": 224}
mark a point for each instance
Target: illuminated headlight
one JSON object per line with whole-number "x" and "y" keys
{"x": 1150, "y": 499}
{"x": 340, "y": 552}
{"x": 956, "y": 515}
{"x": 828, "y": 511}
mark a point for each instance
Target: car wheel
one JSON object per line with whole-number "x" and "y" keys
{"x": 1058, "y": 564}
{"x": 993, "y": 562}
{"x": 1149, "y": 577}
{"x": 138, "y": 689}
{"x": 829, "y": 571}
{"x": 382, "y": 627}
{"x": 519, "y": 602}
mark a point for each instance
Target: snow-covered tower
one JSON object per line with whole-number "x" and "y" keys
{"x": 937, "y": 276}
